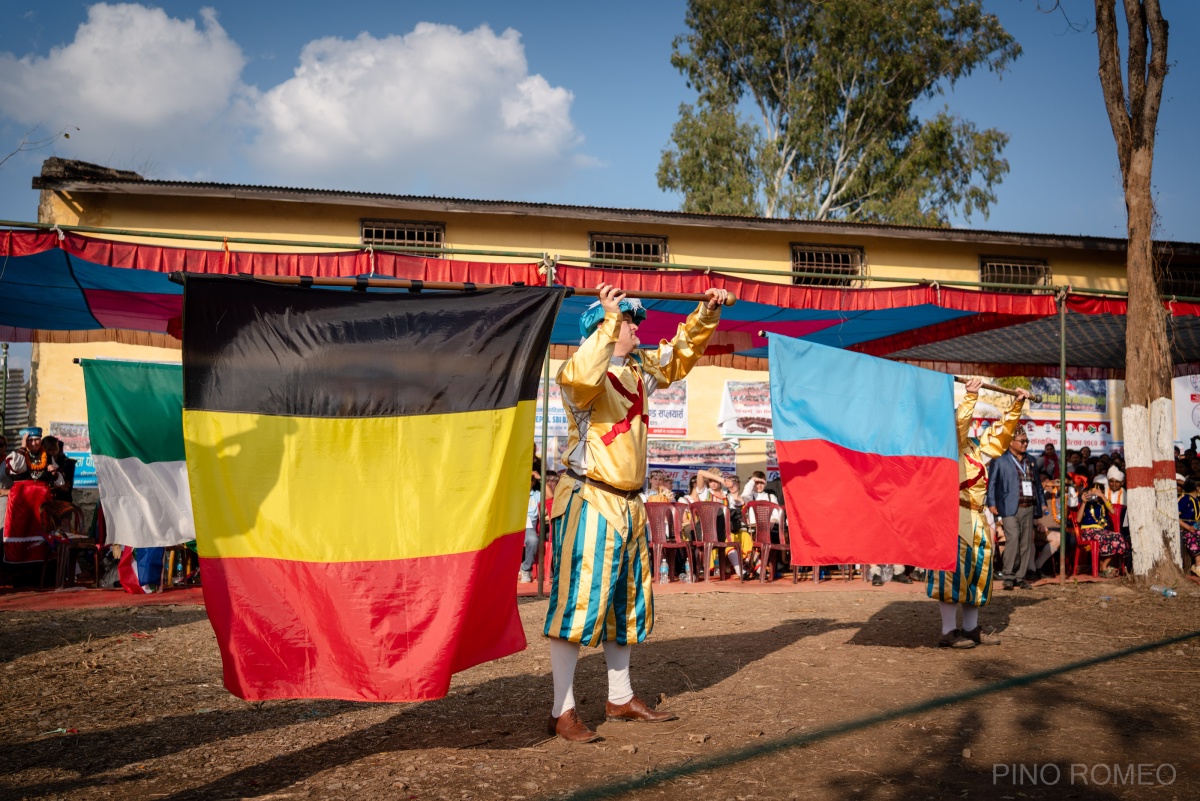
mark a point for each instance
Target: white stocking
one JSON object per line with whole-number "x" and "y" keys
{"x": 949, "y": 615}
{"x": 620, "y": 689}
{"x": 970, "y": 617}
{"x": 563, "y": 657}
{"x": 1047, "y": 552}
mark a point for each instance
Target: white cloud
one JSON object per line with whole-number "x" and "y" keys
{"x": 138, "y": 84}
{"x": 437, "y": 110}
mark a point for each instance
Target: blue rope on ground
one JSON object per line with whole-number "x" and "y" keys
{"x": 805, "y": 738}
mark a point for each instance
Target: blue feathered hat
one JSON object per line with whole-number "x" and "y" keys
{"x": 595, "y": 313}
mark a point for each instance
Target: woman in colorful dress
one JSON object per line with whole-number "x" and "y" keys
{"x": 970, "y": 584}
{"x": 1189, "y": 514}
{"x": 1096, "y": 525}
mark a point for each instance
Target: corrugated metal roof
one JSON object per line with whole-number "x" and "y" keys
{"x": 461, "y": 205}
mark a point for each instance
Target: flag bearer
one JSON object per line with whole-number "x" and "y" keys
{"x": 970, "y": 584}
{"x": 601, "y": 576}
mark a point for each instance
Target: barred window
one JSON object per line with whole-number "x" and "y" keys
{"x": 844, "y": 266}
{"x": 1181, "y": 280}
{"x": 629, "y": 248}
{"x": 399, "y": 233}
{"x": 1007, "y": 270}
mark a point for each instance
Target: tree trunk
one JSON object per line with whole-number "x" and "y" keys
{"x": 1148, "y": 412}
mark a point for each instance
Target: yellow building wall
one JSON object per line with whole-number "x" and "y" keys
{"x": 59, "y": 389}
{"x": 58, "y": 384}
{"x": 736, "y": 248}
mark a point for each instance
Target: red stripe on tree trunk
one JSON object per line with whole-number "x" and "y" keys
{"x": 364, "y": 631}
{"x": 1146, "y": 476}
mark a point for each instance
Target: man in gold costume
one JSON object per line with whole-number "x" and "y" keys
{"x": 601, "y": 575}
{"x": 970, "y": 584}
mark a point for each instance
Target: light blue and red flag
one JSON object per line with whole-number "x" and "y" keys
{"x": 868, "y": 454}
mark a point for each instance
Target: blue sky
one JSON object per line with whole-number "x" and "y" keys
{"x": 573, "y": 104}
{"x": 541, "y": 101}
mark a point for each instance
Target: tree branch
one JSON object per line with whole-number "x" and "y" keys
{"x": 1110, "y": 79}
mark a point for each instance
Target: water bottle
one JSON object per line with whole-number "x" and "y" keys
{"x": 664, "y": 573}
{"x": 1165, "y": 592}
{"x": 686, "y": 575}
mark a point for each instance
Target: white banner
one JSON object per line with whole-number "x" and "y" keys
{"x": 1186, "y": 390}
{"x": 669, "y": 411}
{"x": 746, "y": 410}
{"x": 1094, "y": 434}
{"x": 558, "y": 415}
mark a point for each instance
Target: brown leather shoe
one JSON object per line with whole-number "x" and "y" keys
{"x": 636, "y": 709}
{"x": 977, "y": 636}
{"x": 955, "y": 639}
{"x": 569, "y": 727}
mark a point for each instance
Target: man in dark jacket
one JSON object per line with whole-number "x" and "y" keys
{"x": 1015, "y": 498}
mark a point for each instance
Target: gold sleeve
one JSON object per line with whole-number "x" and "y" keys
{"x": 963, "y": 417}
{"x": 995, "y": 445}
{"x": 673, "y": 360}
{"x": 582, "y": 376}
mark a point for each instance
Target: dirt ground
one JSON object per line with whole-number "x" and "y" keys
{"x": 127, "y": 703}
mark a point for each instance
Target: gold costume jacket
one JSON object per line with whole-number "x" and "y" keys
{"x": 972, "y": 473}
{"x": 607, "y": 404}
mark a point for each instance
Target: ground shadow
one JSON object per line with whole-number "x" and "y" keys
{"x": 25, "y": 633}
{"x": 917, "y": 623}
{"x": 503, "y": 713}
{"x": 945, "y": 769}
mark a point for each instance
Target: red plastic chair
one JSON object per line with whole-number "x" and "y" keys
{"x": 705, "y": 515}
{"x": 764, "y": 514}
{"x": 1093, "y": 547}
{"x": 666, "y": 533}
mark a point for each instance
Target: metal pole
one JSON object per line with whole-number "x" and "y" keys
{"x": 543, "y": 514}
{"x": 1063, "y": 522}
{"x": 4, "y": 402}
{"x": 451, "y": 286}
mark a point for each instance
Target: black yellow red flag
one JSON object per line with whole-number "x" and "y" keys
{"x": 359, "y": 470}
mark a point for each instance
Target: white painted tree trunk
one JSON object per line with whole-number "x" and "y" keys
{"x": 1153, "y": 511}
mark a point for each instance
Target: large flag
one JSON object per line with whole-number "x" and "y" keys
{"x": 868, "y": 455}
{"x": 359, "y": 466}
{"x": 135, "y": 420}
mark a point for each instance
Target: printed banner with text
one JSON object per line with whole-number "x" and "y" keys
{"x": 1082, "y": 396}
{"x": 1093, "y": 434}
{"x": 746, "y": 410}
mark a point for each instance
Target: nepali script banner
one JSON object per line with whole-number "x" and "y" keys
{"x": 1094, "y": 434}
{"x": 746, "y": 410}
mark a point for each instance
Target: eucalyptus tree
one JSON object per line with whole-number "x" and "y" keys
{"x": 809, "y": 108}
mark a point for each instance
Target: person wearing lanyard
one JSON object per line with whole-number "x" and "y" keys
{"x": 1015, "y": 497}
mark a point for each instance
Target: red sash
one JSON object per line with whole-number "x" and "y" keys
{"x": 636, "y": 409}
{"x": 970, "y": 482}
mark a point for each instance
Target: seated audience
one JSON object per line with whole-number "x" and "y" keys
{"x": 1047, "y": 463}
{"x": 1096, "y": 525}
{"x": 1189, "y": 521}
{"x": 66, "y": 467}
{"x": 660, "y": 488}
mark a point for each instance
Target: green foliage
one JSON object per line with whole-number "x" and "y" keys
{"x": 833, "y": 84}
{"x": 1013, "y": 382}
{"x": 716, "y": 163}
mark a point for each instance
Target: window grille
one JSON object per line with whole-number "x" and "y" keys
{"x": 847, "y": 265}
{"x": 629, "y": 248}
{"x": 1006, "y": 270}
{"x": 399, "y": 233}
{"x": 1181, "y": 280}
